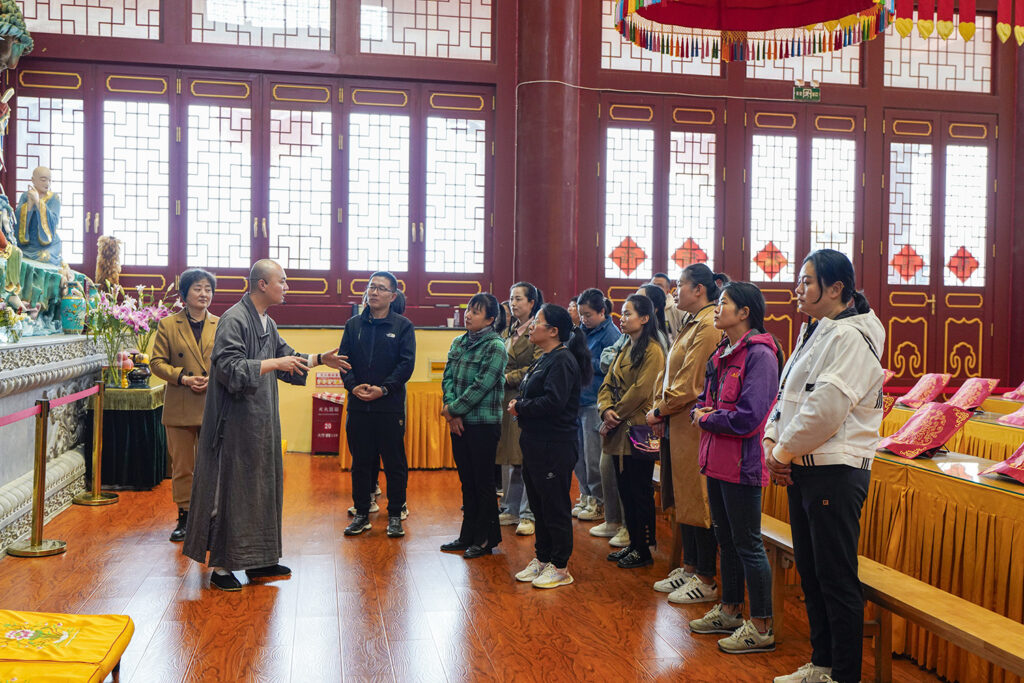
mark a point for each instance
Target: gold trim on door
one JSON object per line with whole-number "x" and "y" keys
{"x": 431, "y": 292}
{"x": 224, "y": 290}
{"x": 248, "y": 90}
{"x": 790, "y": 296}
{"x": 896, "y": 360}
{"x": 147, "y": 276}
{"x": 457, "y": 96}
{"x": 925, "y": 299}
{"x": 782, "y": 116}
{"x": 971, "y": 365}
{"x": 843, "y": 119}
{"x": 22, "y": 74}
{"x": 977, "y": 299}
{"x": 896, "y": 125}
{"x": 161, "y": 81}
{"x": 321, "y": 280}
{"x": 967, "y": 134}
{"x": 709, "y": 112}
{"x": 316, "y": 88}
{"x": 356, "y": 92}
{"x": 631, "y": 107}
{"x": 789, "y": 319}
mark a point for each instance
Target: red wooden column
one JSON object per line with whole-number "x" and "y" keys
{"x": 547, "y": 147}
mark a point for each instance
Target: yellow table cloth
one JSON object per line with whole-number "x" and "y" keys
{"x": 428, "y": 444}
{"x": 982, "y": 436}
{"x": 938, "y": 521}
{"x": 36, "y": 646}
{"x": 1001, "y": 406}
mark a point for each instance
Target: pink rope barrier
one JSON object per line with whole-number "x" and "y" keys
{"x": 71, "y": 398}
{"x": 18, "y": 416}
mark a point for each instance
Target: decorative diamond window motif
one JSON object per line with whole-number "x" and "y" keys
{"x": 833, "y": 194}
{"x": 456, "y": 194}
{"x": 295, "y": 24}
{"x": 136, "y": 179}
{"x": 965, "y": 233}
{"x": 629, "y": 202}
{"x": 300, "y": 189}
{"x": 909, "y": 183}
{"x": 936, "y": 64}
{"x": 219, "y": 186}
{"x": 617, "y": 53}
{"x": 691, "y": 196}
{"x": 378, "y": 192}
{"x": 138, "y": 19}
{"x": 446, "y": 29}
{"x": 773, "y": 183}
{"x": 50, "y": 131}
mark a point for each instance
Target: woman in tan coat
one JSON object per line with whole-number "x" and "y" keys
{"x": 181, "y": 357}
{"x": 524, "y": 302}
{"x": 684, "y": 491}
{"x": 624, "y": 398}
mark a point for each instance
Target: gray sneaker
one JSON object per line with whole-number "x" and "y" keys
{"x": 808, "y": 673}
{"x": 395, "y": 529}
{"x": 717, "y": 621}
{"x": 359, "y": 524}
{"x": 747, "y": 639}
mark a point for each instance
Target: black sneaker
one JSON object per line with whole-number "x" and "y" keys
{"x": 634, "y": 560}
{"x": 395, "y": 527}
{"x": 358, "y": 525}
{"x": 178, "y": 535}
{"x": 616, "y": 555}
{"x": 225, "y": 582}
{"x": 275, "y": 571}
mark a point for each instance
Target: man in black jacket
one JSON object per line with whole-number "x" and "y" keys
{"x": 381, "y": 346}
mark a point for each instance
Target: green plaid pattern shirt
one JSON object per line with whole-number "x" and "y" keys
{"x": 474, "y": 378}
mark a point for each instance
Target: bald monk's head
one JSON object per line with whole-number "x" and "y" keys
{"x": 41, "y": 180}
{"x": 267, "y": 283}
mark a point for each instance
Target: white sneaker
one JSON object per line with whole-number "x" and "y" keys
{"x": 405, "y": 511}
{"x": 525, "y": 528}
{"x": 376, "y": 490}
{"x": 808, "y": 673}
{"x": 620, "y": 539}
{"x": 507, "y": 519}
{"x": 694, "y": 591}
{"x": 604, "y": 530}
{"x": 532, "y": 571}
{"x": 373, "y": 508}
{"x": 552, "y": 577}
{"x": 580, "y": 506}
{"x": 716, "y": 621}
{"x": 593, "y": 513}
{"x": 676, "y": 578}
{"x": 747, "y": 639}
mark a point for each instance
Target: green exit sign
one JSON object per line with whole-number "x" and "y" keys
{"x": 806, "y": 93}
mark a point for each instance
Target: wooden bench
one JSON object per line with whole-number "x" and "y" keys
{"x": 993, "y": 637}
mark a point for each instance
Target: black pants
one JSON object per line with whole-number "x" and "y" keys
{"x": 824, "y": 512}
{"x": 547, "y": 473}
{"x": 700, "y": 548}
{"x": 375, "y": 438}
{"x": 474, "y": 453}
{"x": 636, "y": 488}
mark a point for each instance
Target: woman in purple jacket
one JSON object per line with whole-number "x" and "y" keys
{"x": 740, "y": 386}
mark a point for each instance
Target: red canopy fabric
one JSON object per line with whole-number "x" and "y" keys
{"x": 750, "y": 15}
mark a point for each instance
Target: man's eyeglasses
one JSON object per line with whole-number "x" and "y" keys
{"x": 378, "y": 288}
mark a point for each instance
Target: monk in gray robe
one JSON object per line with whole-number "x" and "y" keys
{"x": 238, "y": 482}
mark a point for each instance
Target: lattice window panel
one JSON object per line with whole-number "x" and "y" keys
{"x": 910, "y": 213}
{"x": 833, "y": 194}
{"x": 691, "y": 200}
{"x": 49, "y": 133}
{"x": 841, "y": 67}
{"x": 295, "y": 24}
{"x": 139, "y": 19}
{"x": 773, "y": 183}
{"x": 448, "y": 29}
{"x": 136, "y": 176}
{"x": 300, "y": 189}
{"x": 936, "y": 64}
{"x": 965, "y": 237}
{"x": 378, "y": 192}
{"x": 456, "y": 185}
{"x": 617, "y": 53}
{"x": 628, "y": 203}
{"x": 219, "y": 186}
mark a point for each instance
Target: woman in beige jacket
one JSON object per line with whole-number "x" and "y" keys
{"x": 623, "y": 400}
{"x": 181, "y": 357}
{"x": 683, "y": 490}
{"x": 524, "y": 302}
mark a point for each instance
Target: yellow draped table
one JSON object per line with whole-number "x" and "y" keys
{"x": 428, "y": 445}
{"x": 938, "y": 521}
{"x": 1001, "y": 406}
{"x": 982, "y": 436}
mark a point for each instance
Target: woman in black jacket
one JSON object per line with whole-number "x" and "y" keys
{"x": 547, "y": 408}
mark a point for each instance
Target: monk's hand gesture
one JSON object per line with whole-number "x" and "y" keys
{"x": 332, "y": 360}
{"x": 33, "y": 195}
{"x": 292, "y": 364}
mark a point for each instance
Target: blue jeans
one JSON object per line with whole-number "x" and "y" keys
{"x": 736, "y": 515}
{"x": 515, "y": 500}
{"x": 588, "y": 466}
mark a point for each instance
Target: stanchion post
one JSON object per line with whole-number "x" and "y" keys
{"x": 97, "y": 497}
{"x": 36, "y": 546}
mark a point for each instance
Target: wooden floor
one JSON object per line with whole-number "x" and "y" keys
{"x": 371, "y": 608}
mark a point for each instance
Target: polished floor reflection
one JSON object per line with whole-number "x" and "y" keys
{"x": 372, "y": 608}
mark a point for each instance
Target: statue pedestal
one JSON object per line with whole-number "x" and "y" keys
{"x": 34, "y": 368}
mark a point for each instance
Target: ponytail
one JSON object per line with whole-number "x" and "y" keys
{"x": 657, "y": 296}
{"x": 595, "y": 300}
{"x": 860, "y": 302}
{"x": 488, "y": 303}
{"x": 700, "y": 274}
{"x": 573, "y": 337}
{"x": 830, "y": 267}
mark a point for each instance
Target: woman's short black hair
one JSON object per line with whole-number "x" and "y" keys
{"x": 595, "y": 300}
{"x": 192, "y": 276}
{"x": 574, "y": 339}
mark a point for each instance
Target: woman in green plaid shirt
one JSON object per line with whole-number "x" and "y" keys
{"x": 473, "y": 386}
